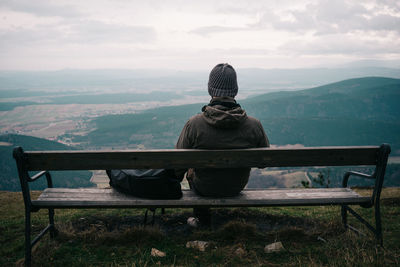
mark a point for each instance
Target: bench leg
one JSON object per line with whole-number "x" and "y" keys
{"x": 378, "y": 223}
{"x": 28, "y": 230}
{"x": 377, "y": 230}
{"x": 53, "y": 230}
{"x": 344, "y": 216}
{"x": 203, "y": 214}
{"x": 153, "y": 211}
{"x": 28, "y": 246}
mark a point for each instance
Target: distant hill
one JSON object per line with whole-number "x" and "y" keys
{"x": 361, "y": 111}
{"x": 9, "y": 176}
{"x": 363, "y": 98}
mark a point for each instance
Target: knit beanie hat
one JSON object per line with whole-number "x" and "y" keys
{"x": 222, "y": 81}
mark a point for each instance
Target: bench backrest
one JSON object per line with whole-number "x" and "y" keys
{"x": 191, "y": 158}
{"x": 45, "y": 161}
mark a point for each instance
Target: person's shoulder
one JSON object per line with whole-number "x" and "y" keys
{"x": 196, "y": 118}
{"x": 253, "y": 120}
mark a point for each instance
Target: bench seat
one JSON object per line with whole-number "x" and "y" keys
{"x": 110, "y": 198}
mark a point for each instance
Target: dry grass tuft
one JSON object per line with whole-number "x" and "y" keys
{"x": 100, "y": 233}
{"x": 294, "y": 234}
{"x": 237, "y": 231}
{"x": 138, "y": 235}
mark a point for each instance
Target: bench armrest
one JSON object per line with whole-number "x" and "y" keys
{"x": 378, "y": 175}
{"x": 359, "y": 174}
{"x": 37, "y": 176}
{"x": 40, "y": 174}
{"x": 25, "y": 178}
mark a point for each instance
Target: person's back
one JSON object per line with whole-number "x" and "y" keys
{"x": 223, "y": 124}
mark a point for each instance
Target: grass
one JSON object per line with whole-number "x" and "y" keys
{"x": 312, "y": 236}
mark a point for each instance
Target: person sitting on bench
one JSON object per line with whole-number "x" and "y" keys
{"x": 223, "y": 124}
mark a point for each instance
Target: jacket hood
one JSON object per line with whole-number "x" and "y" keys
{"x": 220, "y": 115}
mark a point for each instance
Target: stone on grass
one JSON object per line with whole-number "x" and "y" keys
{"x": 200, "y": 245}
{"x": 240, "y": 252}
{"x": 193, "y": 222}
{"x": 274, "y": 247}
{"x": 157, "y": 253}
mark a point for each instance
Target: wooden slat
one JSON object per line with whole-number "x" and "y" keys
{"x": 95, "y": 190}
{"x": 109, "y": 198}
{"x": 191, "y": 158}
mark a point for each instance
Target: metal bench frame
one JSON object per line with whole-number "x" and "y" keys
{"x": 319, "y": 156}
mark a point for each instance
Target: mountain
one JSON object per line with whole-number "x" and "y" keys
{"x": 361, "y": 111}
{"x": 349, "y": 98}
{"x": 9, "y": 175}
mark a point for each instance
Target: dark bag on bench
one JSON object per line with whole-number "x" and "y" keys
{"x": 149, "y": 183}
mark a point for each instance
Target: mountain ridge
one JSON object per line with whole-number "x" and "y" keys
{"x": 376, "y": 81}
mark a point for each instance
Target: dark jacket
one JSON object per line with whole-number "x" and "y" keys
{"x": 222, "y": 125}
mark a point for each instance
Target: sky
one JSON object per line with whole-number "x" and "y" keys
{"x": 195, "y": 35}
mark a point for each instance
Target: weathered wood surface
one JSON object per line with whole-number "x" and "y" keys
{"x": 96, "y": 197}
{"x": 191, "y": 158}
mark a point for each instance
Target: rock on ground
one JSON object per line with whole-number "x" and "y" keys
{"x": 157, "y": 253}
{"x": 274, "y": 247}
{"x": 200, "y": 245}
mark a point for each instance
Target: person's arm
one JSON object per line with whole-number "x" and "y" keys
{"x": 184, "y": 142}
{"x": 263, "y": 141}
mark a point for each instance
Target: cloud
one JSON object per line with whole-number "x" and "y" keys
{"x": 27, "y": 37}
{"x": 92, "y": 33}
{"x": 393, "y": 5}
{"x": 384, "y": 22}
{"x": 77, "y": 32}
{"x": 42, "y": 8}
{"x": 96, "y": 31}
{"x": 327, "y": 17}
{"x": 207, "y": 30}
{"x": 342, "y": 45}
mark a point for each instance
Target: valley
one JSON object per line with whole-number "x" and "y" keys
{"x": 361, "y": 111}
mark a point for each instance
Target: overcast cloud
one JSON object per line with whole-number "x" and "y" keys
{"x": 42, "y": 8}
{"x": 45, "y": 34}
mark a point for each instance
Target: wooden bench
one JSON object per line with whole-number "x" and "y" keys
{"x": 56, "y": 198}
